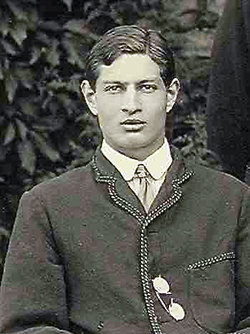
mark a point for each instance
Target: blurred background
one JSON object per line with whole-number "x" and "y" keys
{"x": 45, "y": 128}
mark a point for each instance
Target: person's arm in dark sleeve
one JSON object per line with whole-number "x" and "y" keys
{"x": 228, "y": 107}
{"x": 33, "y": 291}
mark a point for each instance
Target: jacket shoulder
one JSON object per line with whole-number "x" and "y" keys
{"x": 210, "y": 177}
{"x": 68, "y": 182}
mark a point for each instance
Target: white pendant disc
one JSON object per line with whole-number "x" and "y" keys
{"x": 176, "y": 311}
{"x": 161, "y": 285}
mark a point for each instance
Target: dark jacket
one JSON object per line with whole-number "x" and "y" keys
{"x": 228, "y": 108}
{"x": 83, "y": 254}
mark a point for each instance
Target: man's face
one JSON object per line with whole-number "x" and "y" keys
{"x": 131, "y": 102}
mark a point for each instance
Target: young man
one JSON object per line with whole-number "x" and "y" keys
{"x": 138, "y": 241}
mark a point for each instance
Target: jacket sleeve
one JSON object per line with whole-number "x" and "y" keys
{"x": 33, "y": 294}
{"x": 228, "y": 105}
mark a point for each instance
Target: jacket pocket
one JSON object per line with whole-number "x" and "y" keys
{"x": 211, "y": 292}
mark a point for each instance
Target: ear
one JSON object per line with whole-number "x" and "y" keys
{"x": 89, "y": 95}
{"x": 172, "y": 93}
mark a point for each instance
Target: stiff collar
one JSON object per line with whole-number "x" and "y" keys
{"x": 157, "y": 163}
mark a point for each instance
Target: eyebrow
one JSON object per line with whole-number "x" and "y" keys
{"x": 125, "y": 82}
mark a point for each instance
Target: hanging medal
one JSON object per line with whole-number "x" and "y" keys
{"x": 161, "y": 286}
{"x": 176, "y": 310}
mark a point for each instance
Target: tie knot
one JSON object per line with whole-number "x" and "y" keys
{"x": 141, "y": 171}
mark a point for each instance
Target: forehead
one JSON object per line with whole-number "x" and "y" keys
{"x": 130, "y": 68}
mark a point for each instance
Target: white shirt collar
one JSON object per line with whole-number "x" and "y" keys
{"x": 157, "y": 163}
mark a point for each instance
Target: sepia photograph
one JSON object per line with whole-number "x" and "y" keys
{"x": 125, "y": 167}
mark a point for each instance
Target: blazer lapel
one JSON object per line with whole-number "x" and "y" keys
{"x": 177, "y": 174}
{"x": 118, "y": 188}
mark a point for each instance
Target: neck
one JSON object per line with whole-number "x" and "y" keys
{"x": 140, "y": 153}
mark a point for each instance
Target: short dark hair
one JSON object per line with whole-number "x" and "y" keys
{"x": 130, "y": 40}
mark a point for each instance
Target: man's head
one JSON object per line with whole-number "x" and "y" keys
{"x": 130, "y": 86}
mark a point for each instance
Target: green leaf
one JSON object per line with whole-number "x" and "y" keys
{"x": 55, "y": 84}
{"x": 4, "y": 232}
{"x": 9, "y": 48}
{"x": 50, "y": 123}
{"x": 27, "y": 155}
{"x": 10, "y": 134}
{"x": 74, "y": 85}
{"x": 80, "y": 27}
{"x": 25, "y": 76}
{"x": 17, "y": 11}
{"x": 68, "y": 3}
{"x": 22, "y": 129}
{"x": 19, "y": 32}
{"x": 11, "y": 87}
{"x": 53, "y": 56}
{"x": 71, "y": 46}
{"x": 4, "y": 27}
{"x": 75, "y": 26}
{"x": 45, "y": 148}
{"x": 27, "y": 107}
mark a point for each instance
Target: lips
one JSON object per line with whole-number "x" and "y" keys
{"x": 132, "y": 122}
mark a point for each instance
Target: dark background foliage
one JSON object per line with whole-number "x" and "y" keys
{"x": 45, "y": 128}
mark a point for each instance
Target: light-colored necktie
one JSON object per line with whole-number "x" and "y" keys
{"x": 145, "y": 191}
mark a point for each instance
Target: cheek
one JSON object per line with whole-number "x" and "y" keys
{"x": 156, "y": 102}
{"x": 107, "y": 115}
{"x": 157, "y": 111}
{"x": 108, "y": 107}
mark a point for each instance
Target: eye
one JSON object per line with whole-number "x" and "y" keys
{"x": 148, "y": 88}
{"x": 113, "y": 88}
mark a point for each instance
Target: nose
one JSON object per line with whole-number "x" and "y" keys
{"x": 131, "y": 101}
